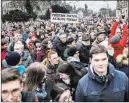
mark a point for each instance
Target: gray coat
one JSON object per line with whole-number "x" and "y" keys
{"x": 26, "y": 58}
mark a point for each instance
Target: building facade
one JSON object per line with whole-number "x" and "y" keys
{"x": 122, "y": 8}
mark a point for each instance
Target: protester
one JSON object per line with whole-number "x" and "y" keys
{"x": 61, "y": 93}
{"x": 11, "y": 90}
{"x": 69, "y": 77}
{"x": 24, "y": 53}
{"x": 102, "y": 82}
{"x": 52, "y": 62}
{"x": 36, "y": 81}
{"x": 118, "y": 36}
{"x": 13, "y": 60}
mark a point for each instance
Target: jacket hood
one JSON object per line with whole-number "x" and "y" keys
{"x": 69, "y": 59}
{"x": 110, "y": 75}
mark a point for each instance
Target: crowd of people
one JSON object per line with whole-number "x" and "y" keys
{"x": 43, "y": 61}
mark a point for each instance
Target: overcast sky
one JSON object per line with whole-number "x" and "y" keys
{"x": 94, "y": 5}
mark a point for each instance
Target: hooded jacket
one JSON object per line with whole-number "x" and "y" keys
{"x": 112, "y": 88}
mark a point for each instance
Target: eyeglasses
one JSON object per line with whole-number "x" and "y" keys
{"x": 14, "y": 93}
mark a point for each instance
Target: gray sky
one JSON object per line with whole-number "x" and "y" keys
{"x": 94, "y": 5}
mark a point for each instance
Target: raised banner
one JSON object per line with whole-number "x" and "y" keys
{"x": 64, "y": 18}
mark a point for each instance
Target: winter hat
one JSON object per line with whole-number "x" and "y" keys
{"x": 115, "y": 39}
{"x": 72, "y": 51}
{"x": 100, "y": 32}
{"x": 85, "y": 37}
{"x": 13, "y": 58}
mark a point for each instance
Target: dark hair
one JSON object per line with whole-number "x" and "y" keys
{"x": 70, "y": 40}
{"x": 67, "y": 68}
{"x": 58, "y": 89}
{"x": 96, "y": 49}
{"x": 10, "y": 74}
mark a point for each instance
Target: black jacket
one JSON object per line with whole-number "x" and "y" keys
{"x": 84, "y": 54}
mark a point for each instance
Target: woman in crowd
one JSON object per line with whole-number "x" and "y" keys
{"x": 53, "y": 61}
{"x": 61, "y": 93}
{"x": 69, "y": 77}
{"x": 36, "y": 81}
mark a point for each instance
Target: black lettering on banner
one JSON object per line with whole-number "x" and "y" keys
{"x": 71, "y": 19}
{"x": 74, "y": 16}
{"x": 61, "y": 19}
{"x": 58, "y": 15}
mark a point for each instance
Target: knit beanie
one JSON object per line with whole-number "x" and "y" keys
{"x": 72, "y": 51}
{"x": 13, "y": 58}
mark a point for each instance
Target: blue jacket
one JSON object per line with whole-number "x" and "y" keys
{"x": 92, "y": 88}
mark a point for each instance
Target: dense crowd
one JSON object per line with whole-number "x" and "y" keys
{"x": 43, "y": 61}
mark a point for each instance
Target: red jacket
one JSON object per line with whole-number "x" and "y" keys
{"x": 118, "y": 47}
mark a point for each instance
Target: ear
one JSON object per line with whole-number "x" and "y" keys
{"x": 90, "y": 59}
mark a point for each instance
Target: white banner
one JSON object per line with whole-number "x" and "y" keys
{"x": 64, "y": 18}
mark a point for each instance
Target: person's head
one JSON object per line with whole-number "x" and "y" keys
{"x": 35, "y": 74}
{"x": 32, "y": 37}
{"x": 4, "y": 44}
{"x": 71, "y": 41}
{"x": 118, "y": 31}
{"x": 17, "y": 36}
{"x": 99, "y": 59}
{"x": 62, "y": 37}
{"x": 92, "y": 35}
{"x": 11, "y": 86}
{"x": 86, "y": 40}
{"x": 61, "y": 93}
{"x": 72, "y": 51}
{"x": 53, "y": 57}
{"x": 51, "y": 35}
{"x": 100, "y": 36}
{"x": 66, "y": 71}
{"x": 13, "y": 58}
{"x": 19, "y": 47}
{"x": 38, "y": 45}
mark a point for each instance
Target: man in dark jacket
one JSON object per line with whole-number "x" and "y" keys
{"x": 102, "y": 83}
{"x": 12, "y": 88}
{"x": 84, "y": 50}
{"x": 61, "y": 46}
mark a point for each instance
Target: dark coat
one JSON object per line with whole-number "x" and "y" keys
{"x": 84, "y": 54}
{"x": 60, "y": 49}
{"x": 79, "y": 67}
{"x": 51, "y": 72}
{"x": 48, "y": 87}
{"x": 111, "y": 88}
